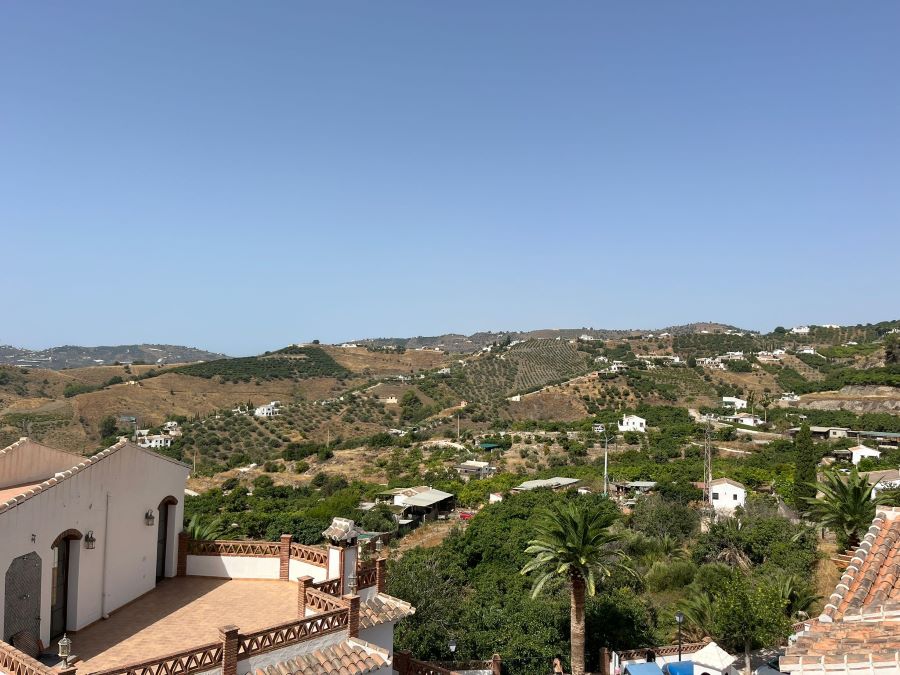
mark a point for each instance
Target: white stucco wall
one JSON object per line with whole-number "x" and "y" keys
{"x": 302, "y": 569}
{"x": 110, "y": 498}
{"x": 28, "y": 462}
{"x": 729, "y": 497}
{"x": 232, "y": 567}
{"x": 381, "y": 635}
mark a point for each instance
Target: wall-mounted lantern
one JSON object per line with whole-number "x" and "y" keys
{"x": 149, "y": 518}
{"x": 90, "y": 540}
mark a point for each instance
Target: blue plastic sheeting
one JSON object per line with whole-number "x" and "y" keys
{"x": 643, "y": 669}
{"x": 679, "y": 668}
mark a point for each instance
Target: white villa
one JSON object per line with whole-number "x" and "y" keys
{"x": 270, "y": 410}
{"x": 746, "y": 419}
{"x": 861, "y": 452}
{"x": 800, "y": 330}
{"x": 633, "y": 423}
{"x": 82, "y": 536}
{"x": 734, "y": 402}
{"x": 725, "y": 495}
{"x": 86, "y": 539}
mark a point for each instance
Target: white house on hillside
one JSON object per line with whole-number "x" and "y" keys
{"x": 861, "y": 452}
{"x": 726, "y": 495}
{"x": 800, "y": 330}
{"x": 633, "y": 423}
{"x": 82, "y": 536}
{"x": 734, "y": 402}
{"x": 270, "y": 410}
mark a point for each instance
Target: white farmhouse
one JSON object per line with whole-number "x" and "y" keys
{"x": 270, "y": 410}
{"x": 726, "y": 495}
{"x": 734, "y": 402}
{"x": 861, "y": 452}
{"x": 800, "y": 330}
{"x": 746, "y": 419}
{"x": 633, "y": 423}
{"x": 82, "y": 536}
{"x": 155, "y": 441}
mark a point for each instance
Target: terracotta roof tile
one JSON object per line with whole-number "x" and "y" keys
{"x": 383, "y": 608}
{"x": 861, "y": 622}
{"x": 351, "y": 657}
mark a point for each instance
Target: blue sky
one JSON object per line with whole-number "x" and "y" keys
{"x": 238, "y": 176}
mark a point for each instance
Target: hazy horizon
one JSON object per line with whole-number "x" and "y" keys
{"x": 279, "y": 344}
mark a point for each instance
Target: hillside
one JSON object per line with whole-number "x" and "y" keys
{"x": 345, "y": 396}
{"x": 458, "y": 343}
{"x": 70, "y": 356}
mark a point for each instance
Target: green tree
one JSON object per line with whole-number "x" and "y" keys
{"x": 805, "y": 463}
{"x": 892, "y": 350}
{"x": 575, "y": 543}
{"x": 204, "y": 530}
{"x": 846, "y": 506}
{"x": 108, "y": 426}
{"x": 747, "y": 616}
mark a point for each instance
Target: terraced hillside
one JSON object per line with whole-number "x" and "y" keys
{"x": 520, "y": 369}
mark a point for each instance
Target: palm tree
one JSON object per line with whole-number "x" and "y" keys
{"x": 846, "y": 506}
{"x": 698, "y": 616}
{"x": 575, "y": 543}
{"x": 733, "y": 553}
{"x": 204, "y": 531}
{"x": 797, "y": 596}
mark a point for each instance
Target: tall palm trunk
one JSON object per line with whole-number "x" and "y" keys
{"x": 577, "y": 628}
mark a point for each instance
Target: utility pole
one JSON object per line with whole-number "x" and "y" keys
{"x": 707, "y": 464}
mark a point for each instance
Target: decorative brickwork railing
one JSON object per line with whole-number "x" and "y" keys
{"x": 309, "y": 554}
{"x": 423, "y": 668}
{"x": 254, "y": 549}
{"x": 666, "y": 650}
{"x": 207, "y": 657}
{"x": 286, "y": 634}
{"x": 330, "y": 586}
{"x": 14, "y": 662}
{"x": 366, "y": 577}
{"x": 322, "y": 602}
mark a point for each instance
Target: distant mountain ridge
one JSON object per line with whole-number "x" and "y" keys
{"x": 74, "y": 356}
{"x": 456, "y": 342}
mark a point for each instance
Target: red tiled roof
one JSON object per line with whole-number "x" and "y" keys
{"x": 382, "y": 608}
{"x": 860, "y": 625}
{"x": 351, "y": 657}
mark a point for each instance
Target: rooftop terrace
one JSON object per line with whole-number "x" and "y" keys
{"x": 179, "y": 614}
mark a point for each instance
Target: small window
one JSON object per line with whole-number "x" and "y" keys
{"x": 734, "y": 497}
{"x": 715, "y": 496}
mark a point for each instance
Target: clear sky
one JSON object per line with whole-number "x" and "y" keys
{"x": 237, "y": 175}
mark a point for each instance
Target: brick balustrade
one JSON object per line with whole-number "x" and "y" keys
{"x": 284, "y": 555}
{"x": 14, "y": 662}
{"x": 225, "y": 654}
{"x": 352, "y": 615}
{"x": 229, "y": 637}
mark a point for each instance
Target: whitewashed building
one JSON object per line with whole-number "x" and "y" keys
{"x": 83, "y": 536}
{"x": 632, "y": 423}
{"x": 734, "y": 402}
{"x": 270, "y": 410}
{"x": 800, "y": 330}
{"x": 725, "y": 495}
{"x": 861, "y": 452}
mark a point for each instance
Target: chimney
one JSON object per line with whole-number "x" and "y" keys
{"x": 343, "y": 551}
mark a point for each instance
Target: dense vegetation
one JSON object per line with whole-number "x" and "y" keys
{"x": 290, "y": 363}
{"x": 472, "y": 580}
